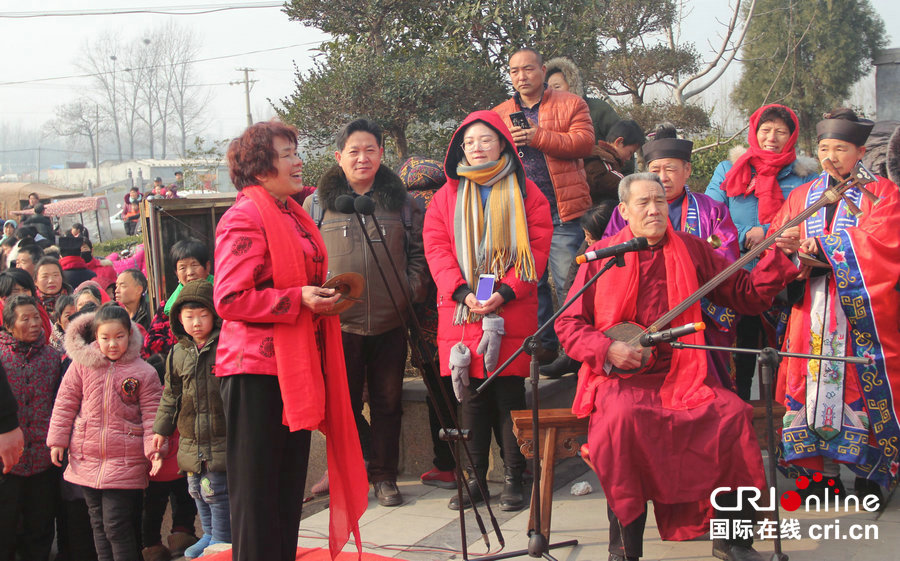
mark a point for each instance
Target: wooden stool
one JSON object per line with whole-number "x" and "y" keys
{"x": 559, "y": 431}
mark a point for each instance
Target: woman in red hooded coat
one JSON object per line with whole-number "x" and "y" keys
{"x": 487, "y": 219}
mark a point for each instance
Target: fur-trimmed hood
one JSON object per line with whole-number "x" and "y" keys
{"x": 387, "y": 190}
{"x": 802, "y": 166}
{"x": 83, "y": 350}
{"x": 570, "y": 72}
{"x": 893, "y": 157}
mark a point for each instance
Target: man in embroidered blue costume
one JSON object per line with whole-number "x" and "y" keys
{"x": 697, "y": 214}
{"x": 842, "y": 413}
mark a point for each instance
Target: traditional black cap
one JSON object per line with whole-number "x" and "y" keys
{"x": 854, "y": 132}
{"x": 69, "y": 246}
{"x": 668, "y": 148}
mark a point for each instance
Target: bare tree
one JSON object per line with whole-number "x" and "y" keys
{"x": 184, "y": 99}
{"x": 99, "y": 59}
{"x": 145, "y": 88}
{"x": 732, "y": 40}
{"x": 78, "y": 120}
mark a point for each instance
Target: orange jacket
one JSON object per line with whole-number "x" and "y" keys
{"x": 565, "y": 135}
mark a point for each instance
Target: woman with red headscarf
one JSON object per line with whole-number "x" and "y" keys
{"x": 753, "y": 184}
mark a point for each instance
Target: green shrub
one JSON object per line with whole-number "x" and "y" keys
{"x": 103, "y": 249}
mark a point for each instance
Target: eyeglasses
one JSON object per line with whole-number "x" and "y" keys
{"x": 469, "y": 144}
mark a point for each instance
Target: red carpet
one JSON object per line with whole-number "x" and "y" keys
{"x": 317, "y": 554}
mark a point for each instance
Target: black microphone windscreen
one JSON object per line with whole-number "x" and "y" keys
{"x": 364, "y": 205}
{"x": 344, "y": 204}
{"x": 641, "y": 243}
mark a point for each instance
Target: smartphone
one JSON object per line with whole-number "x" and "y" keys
{"x": 519, "y": 120}
{"x": 485, "y": 288}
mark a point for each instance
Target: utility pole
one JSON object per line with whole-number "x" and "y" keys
{"x": 96, "y": 151}
{"x": 247, "y": 82}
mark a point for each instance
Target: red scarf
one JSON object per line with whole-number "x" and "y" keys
{"x": 684, "y": 386}
{"x": 767, "y": 165}
{"x": 315, "y": 394}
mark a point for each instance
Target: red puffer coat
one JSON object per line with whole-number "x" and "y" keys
{"x": 565, "y": 135}
{"x": 519, "y": 314}
{"x": 104, "y": 412}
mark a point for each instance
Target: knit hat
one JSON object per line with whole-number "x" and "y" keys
{"x": 199, "y": 291}
{"x": 419, "y": 174}
{"x": 13, "y": 222}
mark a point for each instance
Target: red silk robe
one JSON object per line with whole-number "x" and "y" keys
{"x": 644, "y": 451}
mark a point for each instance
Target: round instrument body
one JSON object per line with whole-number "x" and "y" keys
{"x": 630, "y": 333}
{"x": 350, "y": 286}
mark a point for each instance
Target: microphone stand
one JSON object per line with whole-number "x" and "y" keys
{"x": 451, "y": 434}
{"x": 538, "y": 543}
{"x": 768, "y": 359}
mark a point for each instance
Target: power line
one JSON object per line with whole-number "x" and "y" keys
{"x": 191, "y": 10}
{"x": 222, "y": 57}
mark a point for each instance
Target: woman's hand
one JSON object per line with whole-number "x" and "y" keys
{"x": 490, "y": 305}
{"x": 56, "y": 455}
{"x": 789, "y": 240}
{"x": 623, "y": 356}
{"x": 319, "y": 299}
{"x": 155, "y": 463}
{"x": 753, "y": 236}
{"x": 12, "y": 444}
{"x": 158, "y": 442}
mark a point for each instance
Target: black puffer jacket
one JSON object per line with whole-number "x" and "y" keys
{"x": 191, "y": 400}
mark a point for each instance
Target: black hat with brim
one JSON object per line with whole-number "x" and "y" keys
{"x": 668, "y": 148}
{"x": 854, "y": 132}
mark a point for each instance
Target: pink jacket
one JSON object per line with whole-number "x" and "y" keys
{"x": 104, "y": 412}
{"x": 244, "y": 296}
{"x": 519, "y": 314}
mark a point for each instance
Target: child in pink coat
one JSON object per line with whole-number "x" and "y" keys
{"x": 104, "y": 415}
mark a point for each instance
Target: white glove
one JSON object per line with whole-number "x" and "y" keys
{"x": 489, "y": 347}
{"x": 460, "y": 359}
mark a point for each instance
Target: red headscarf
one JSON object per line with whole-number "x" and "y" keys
{"x": 767, "y": 165}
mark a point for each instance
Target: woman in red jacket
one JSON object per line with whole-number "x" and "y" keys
{"x": 487, "y": 219}
{"x": 279, "y": 356}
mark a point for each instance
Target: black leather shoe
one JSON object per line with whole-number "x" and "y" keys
{"x": 546, "y": 356}
{"x": 387, "y": 493}
{"x": 466, "y": 502}
{"x": 819, "y": 488}
{"x": 512, "y": 497}
{"x": 863, "y": 487}
{"x": 733, "y": 552}
{"x": 560, "y": 367}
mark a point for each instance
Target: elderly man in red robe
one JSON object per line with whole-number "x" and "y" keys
{"x": 671, "y": 433}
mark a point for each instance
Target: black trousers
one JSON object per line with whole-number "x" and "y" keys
{"x": 488, "y": 413}
{"x": 75, "y": 537}
{"x": 266, "y": 466}
{"x": 32, "y": 501}
{"x": 157, "y": 495}
{"x": 628, "y": 540}
{"x": 377, "y": 361}
{"x": 750, "y": 336}
{"x": 114, "y": 514}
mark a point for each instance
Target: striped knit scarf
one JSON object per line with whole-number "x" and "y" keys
{"x": 492, "y": 238}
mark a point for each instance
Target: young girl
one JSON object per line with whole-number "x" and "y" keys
{"x": 104, "y": 414}
{"x": 65, "y": 307}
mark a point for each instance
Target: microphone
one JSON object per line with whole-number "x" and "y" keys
{"x": 344, "y": 204}
{"x": 666, "y": 335}
{"x": 634, "y": 244}
{"x": 364, "y": 205}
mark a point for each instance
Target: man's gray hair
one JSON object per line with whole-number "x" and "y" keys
{"x": 625, "y": 183}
